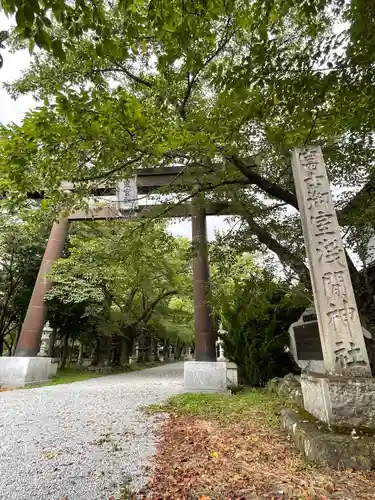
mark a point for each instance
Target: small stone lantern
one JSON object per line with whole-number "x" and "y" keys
{"x": 44, "y": 344}
{"x": 221, "y": 332}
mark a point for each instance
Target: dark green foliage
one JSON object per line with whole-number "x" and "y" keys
{"x": 257, "y": 323}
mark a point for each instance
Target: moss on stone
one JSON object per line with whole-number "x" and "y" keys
{"x": 325, "y": 445}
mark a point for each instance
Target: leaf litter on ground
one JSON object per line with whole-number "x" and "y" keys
{"x": 231, "y": 448}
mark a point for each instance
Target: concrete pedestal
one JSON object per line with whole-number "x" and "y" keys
{"x": 232, "y": 374}
{"x": 20, "y": 371}
{"x": 340, "y": 401}
{"x": 207, "y": 376}
{"x": 86, "y": 363}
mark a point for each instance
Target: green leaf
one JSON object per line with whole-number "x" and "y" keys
{"x": 29, "y": 13}
{"x": 20, "y": 17}
{"x": 99, "y": 50}
{"x": 43, "y": 39}
{"x": 57, "y": 50}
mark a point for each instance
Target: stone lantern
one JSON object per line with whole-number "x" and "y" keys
{"x": 220, "y": 343}
{"x": 44, "y": 344}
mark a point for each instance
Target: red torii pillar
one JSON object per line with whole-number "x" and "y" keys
{"x": 205, "y": 337}
{"x": 32, "y": 328}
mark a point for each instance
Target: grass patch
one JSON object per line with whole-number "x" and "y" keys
{"x": 67, "y": 376}
{"x": 222, "y": 406}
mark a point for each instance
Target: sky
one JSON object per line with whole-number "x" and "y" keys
{"x": 14, "y": 64}
{"x": 14, "y": 111}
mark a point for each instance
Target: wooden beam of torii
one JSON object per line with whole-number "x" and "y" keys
{"x": 110, "y": 211}
{"x": 148, "y": 180}
{"x": 145, "y": 182}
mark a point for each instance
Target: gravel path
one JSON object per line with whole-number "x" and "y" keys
{"x": 82, "y": 440}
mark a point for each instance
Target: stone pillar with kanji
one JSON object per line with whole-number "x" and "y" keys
{"x": 340, "y": 329}
{"x": 345, "y": 355}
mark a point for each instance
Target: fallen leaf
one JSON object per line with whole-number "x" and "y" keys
{"x": 184, "y": 466}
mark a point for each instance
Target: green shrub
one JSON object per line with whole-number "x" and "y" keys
{"x": 257, "y": 321}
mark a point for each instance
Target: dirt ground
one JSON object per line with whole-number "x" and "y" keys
{"x": 241, "y": 455}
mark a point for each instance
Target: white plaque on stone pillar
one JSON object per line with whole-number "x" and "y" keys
{"x": 127, "y": 194}
{"x": 343, "y": 345}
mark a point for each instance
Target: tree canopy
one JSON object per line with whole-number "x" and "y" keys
{"x": 224, "y": 88}
{"x": 116, "y": 281}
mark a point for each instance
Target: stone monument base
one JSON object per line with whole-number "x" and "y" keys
{"x": 329, "y": 448}
{"x": 340, "y": 401}
{"x": 20, "y": 371}
{"x": 232, "y": 375}
{"x": 208, "y": 376}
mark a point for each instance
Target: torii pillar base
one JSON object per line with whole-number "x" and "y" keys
{"x": 23, "y": 370}
{"x": 205, "y": 377}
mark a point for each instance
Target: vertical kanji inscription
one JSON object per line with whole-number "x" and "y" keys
{"x": 340, "y": 330}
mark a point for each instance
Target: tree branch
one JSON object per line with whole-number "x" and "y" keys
{"x": 367, "y": 193}
{"x": 114, "y": 118}
{"x": 110, "y": 172}
{"x": 119, "y": 69}
{"x": 147, "y": 313}
{"x": 269, "y": 187}
{"x": 124, "y": 308}
{"x": 132, "y": 76}
{"x": 192, "y": 78}
{"x": 285, "y": 255}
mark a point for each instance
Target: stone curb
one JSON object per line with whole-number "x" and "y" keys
{"x": 329, "y": 448}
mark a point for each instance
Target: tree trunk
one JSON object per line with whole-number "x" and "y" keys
{"x": 119, "y": 342}
{"x": 166, "y": 349}
{"x": 97, "y": 352}
{"x": 1, "y": 345}
{"x": 151, "y": 349}
{"x": 178, "y": 350}
{"x": 146, "y": 347}
{"x": 51, "y": 344}
{"x": 17, "y": 338}
{"x": 110, "y": 351}
{"x": 142, "y": 343}
{"x": 10, "y": 348}
{"x": 80, "y": 354}
{"x": 71, "y": 354}
{"x": 127, "y": 350}
{"x": 156, "y": 350}
{"x": 64, "y": 354}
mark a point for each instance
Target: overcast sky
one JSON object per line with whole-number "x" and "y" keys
{"x": 14, "y": 110}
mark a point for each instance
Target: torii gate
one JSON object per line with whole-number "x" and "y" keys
{"x": 144, "y": 182}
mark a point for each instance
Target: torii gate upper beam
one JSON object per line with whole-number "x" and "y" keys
{"x": 148, "y": 180}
